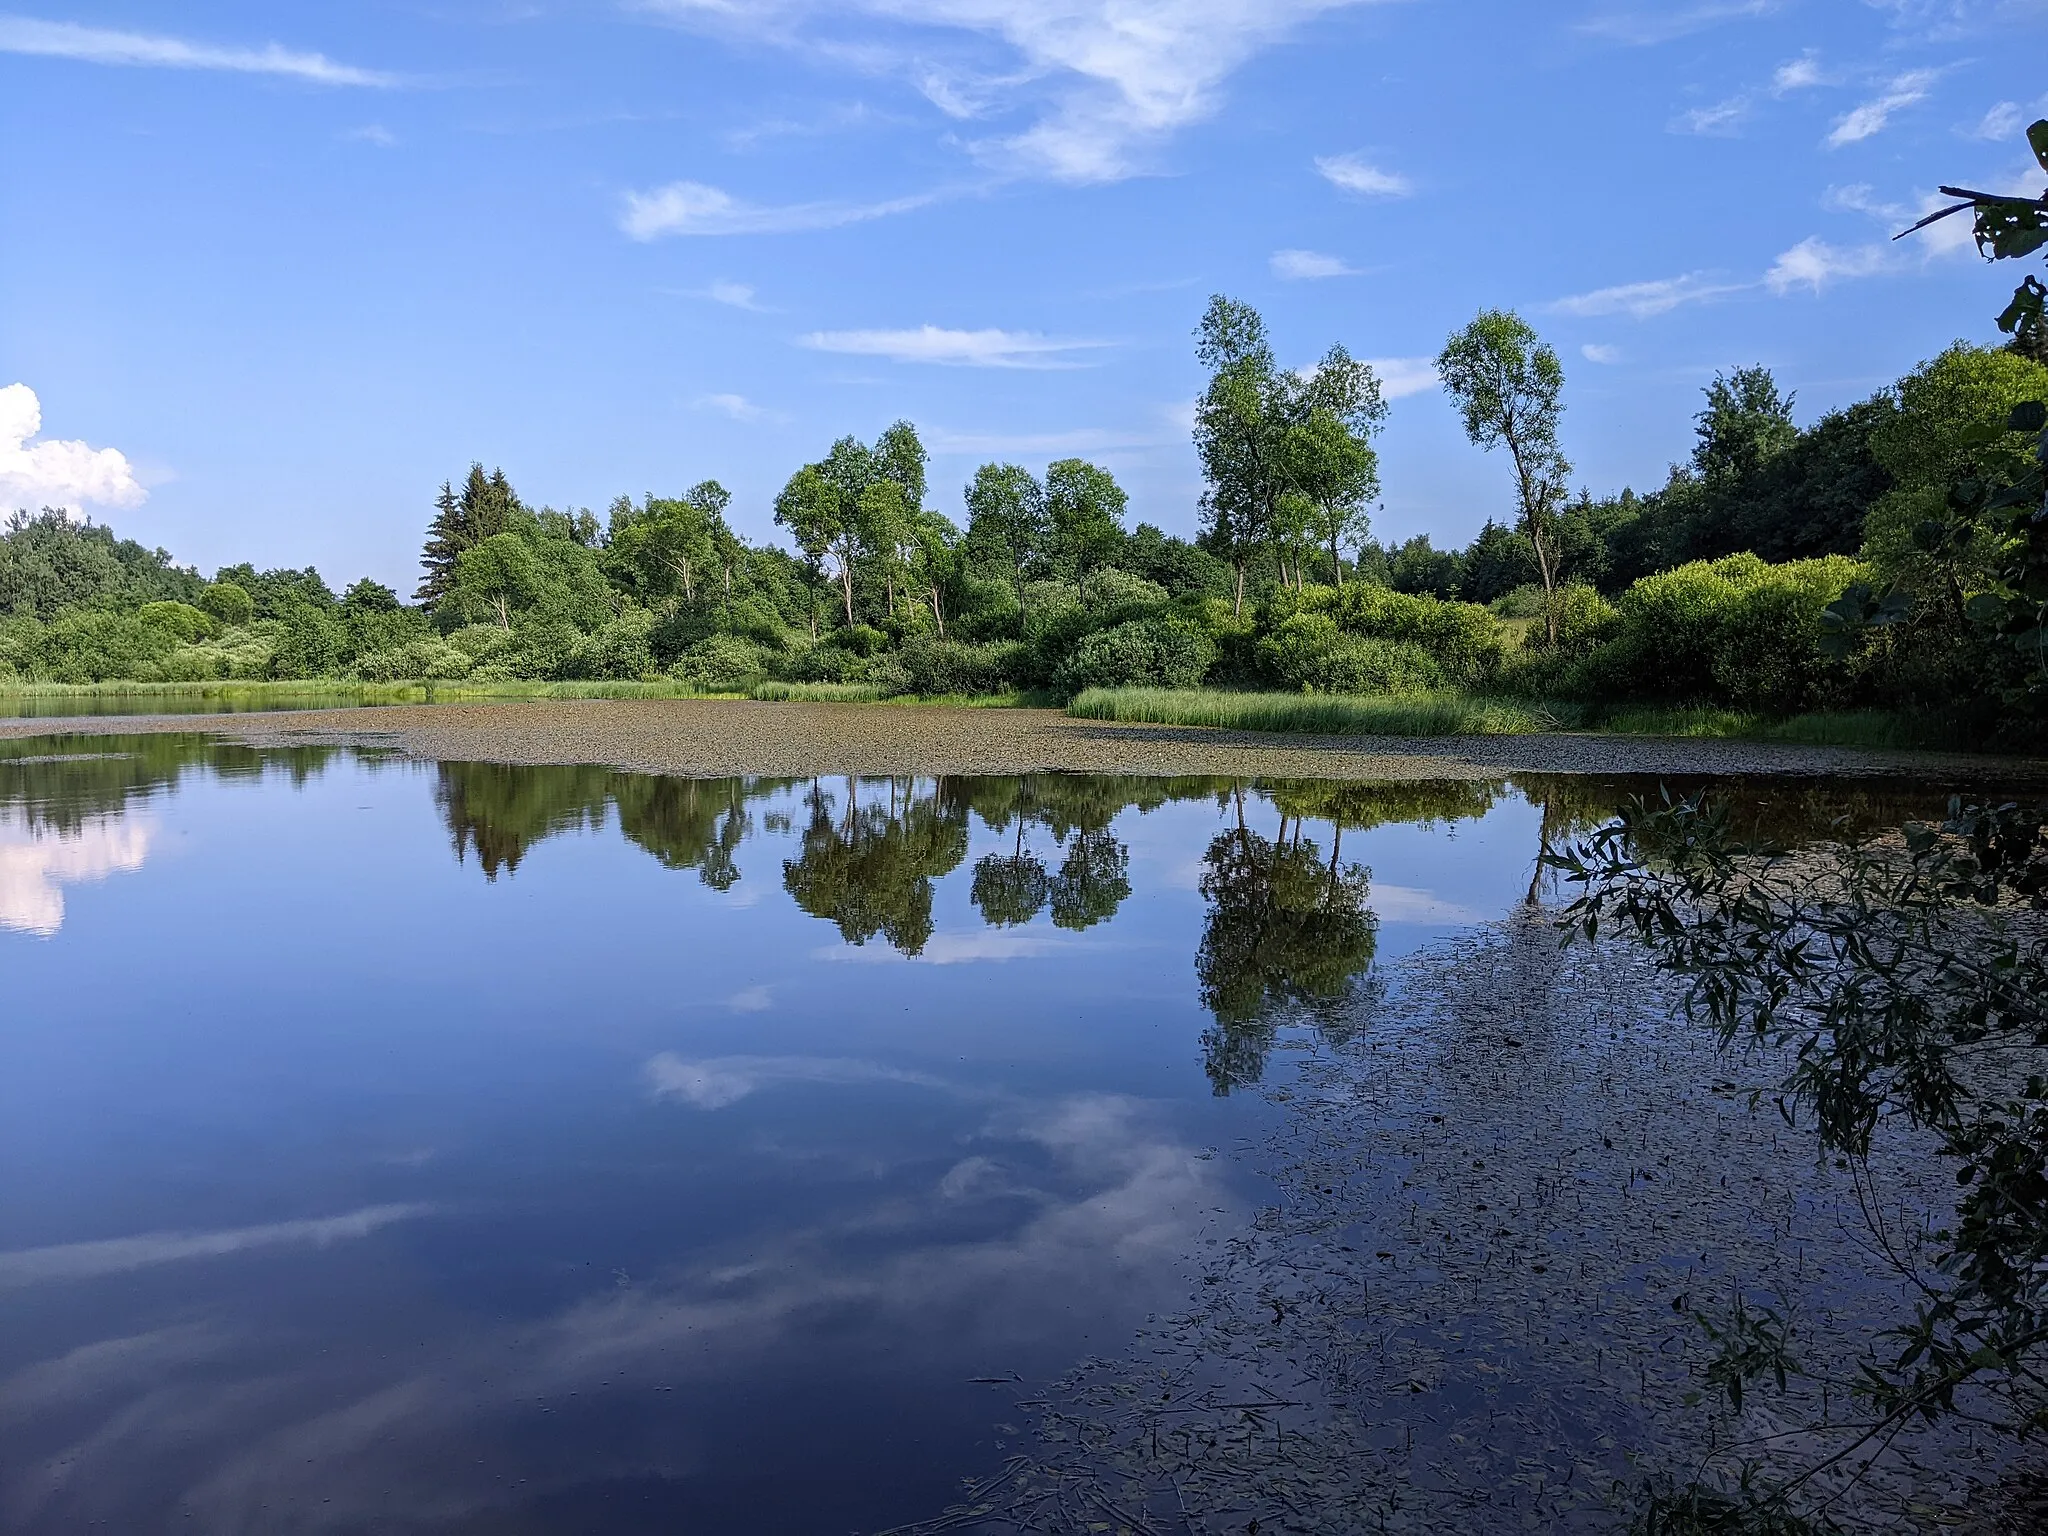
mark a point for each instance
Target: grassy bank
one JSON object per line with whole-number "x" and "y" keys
{"x": 316, "y": 692}
{"x": 1318, "y": 714}
{"x": 1466, "y": 715}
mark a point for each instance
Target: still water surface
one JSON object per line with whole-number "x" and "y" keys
{"x": 401, "y": 1147}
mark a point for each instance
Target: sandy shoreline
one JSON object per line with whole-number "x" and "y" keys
{"x": 715, "y": 738}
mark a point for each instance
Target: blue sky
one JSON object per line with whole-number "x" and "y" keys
{"x": 273, "y": 273}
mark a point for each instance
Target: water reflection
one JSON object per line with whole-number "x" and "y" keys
{"x": 36, "y": 865}
{"x": 624, "y": 1204}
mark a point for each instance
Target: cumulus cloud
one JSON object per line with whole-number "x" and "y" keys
{"x": 962, "y": 349}
{"x": 692, "y": 208}
{"x": 1350, "y": 173}
{"x": 1401, "y": 376}
{"x": 57, "y": 472}
{"x": 1107, "y": 80}
{"x": 1871, "y": 117}
{"x": 101, "y": 45}
{"x": 1639, "y": 301}
{"x": 36, "y": 865}
{"x": 1299, "y": 266}
{"x": 1796, "y": 75}
{"x": 1813, "y": 263}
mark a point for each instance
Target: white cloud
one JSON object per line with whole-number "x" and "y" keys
{"x": 100, "y": 45}
{"x": 1813, "y": 263}
{"x": 738, "y": 407}
{"x": 1109, "y": 80}
{"x": 1871, "y": 117}
{"x": 1402, "y": 376}
{"x": 2003, "y": 121}
{"x": 1298, "y": 266}
{"x": 1643, "y": 29}
{"x": 1352, "y": 174}
{"x": 1408, "y": 904}
{"x": 1798, "y": 74}
{"x": 692, "y": 208}
{"x": 35, "y": 867}
{"x": 1639, "y": 301}
{"x": 1600, "y": 352}
{"x": 55, "y": 472}
{"x": 738, "y": 295}
{"x": 119, "y": 1255}
{"x": 751, "y": 1000}
{"x": 722, "y": 1081}
{"x": 1717, "y": 121}
{"x": 967, "y": 349}
{"x": 373, "y": 133}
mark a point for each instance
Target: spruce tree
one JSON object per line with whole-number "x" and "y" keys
{"x": 462, "y": 521}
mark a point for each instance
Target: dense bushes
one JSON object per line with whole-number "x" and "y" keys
{"x": 1163, "y": 652}
{"x": 1735, "y": 630}
{"x": 1309, "y": 653}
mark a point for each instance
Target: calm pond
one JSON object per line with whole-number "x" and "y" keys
{"x": 399, "y": 1147}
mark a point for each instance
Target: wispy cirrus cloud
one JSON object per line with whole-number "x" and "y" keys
{"x": 1352, "y": 173}
{"x": 691, "y": 208}
{"x": 1639, "y": 301}
{"x": 1646, "y": 28}
{"x": 119, "y": 1255}
{"x": 145, "y": 50}
{"x": 738, "y": 407}
{"x": 1723, "y": 118}
{"x": 1402, "y": 376}
{"x": 956, "y": 348}
{"x": 1599, "y": 352}
{"x": 1107, "y": 82}
{"x": 1870, "y": 118}
{"x": 1308, "y": 266}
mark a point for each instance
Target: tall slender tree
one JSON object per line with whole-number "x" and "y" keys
{"x": 1508, "y": 386}
{"x": 462, "y": 520}
{"x": 1007, "y": 522}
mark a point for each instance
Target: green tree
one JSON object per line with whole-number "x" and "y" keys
{"x": 831, "y": 514}
{"x": 1240, "y": 426}
{"x": 462, "y": 520}
{"x": 1746, "y": 424}
{"x": 1508, "y": 385}
{"x": 1333, "y": 468}
{"x": 1007, "y": 523}
{"x": 1085, "y": 508}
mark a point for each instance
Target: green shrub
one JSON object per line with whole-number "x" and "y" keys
{"x": 1735, "y": 630}
{"x": 481, "y": 642}
{"x": 1165, "y": 652}
{"x": 227, "y": 602}
{"x": 1310, "y": 654}
{"x": 937, "y": 668}
{"x": 1108, "y": 588}
{"x": 823, "y": 662}
{"x": 1585, "y": 620}
{"x": 721, "y": 664}
{"x": 861, "y": 640}
{"x": 181, "y": 620}
{"x": 1524, "y": 602}
{"x": 428, "y": 657}
{"x": 614, "y": 653}
{"x": 1466, "y": 642}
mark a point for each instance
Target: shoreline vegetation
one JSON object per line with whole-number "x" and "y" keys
{"x": 1813, "y": 585}
{"x": 1423, "y": 715}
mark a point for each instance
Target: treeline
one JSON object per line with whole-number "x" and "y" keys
{"x": 1724, "y": 586}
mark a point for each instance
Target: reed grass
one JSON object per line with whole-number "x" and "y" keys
{"x": 1436, "y": 714}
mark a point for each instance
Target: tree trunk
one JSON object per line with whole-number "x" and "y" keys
{"x": 846, "y": 588}
{"x": 938, "y": 612}
{"x": 504, "y": 621}
{"x": 1336, "y": 564}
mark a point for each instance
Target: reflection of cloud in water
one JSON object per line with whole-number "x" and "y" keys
{"x": 36, "y": 866}
{"x": 751, "y": 1000}
{"x": 721, "y": 1080}
{"x": 118, "y": 1255}
{"x": 1408, "y": 904}
{"x": 952, "y": 949}
{"x": 1088, "y": 1204}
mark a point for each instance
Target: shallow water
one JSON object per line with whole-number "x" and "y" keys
{"x": 402, "y": 1147}
{"x": 230, "y": 701}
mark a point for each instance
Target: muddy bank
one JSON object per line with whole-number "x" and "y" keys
{"x": 716, "y": 738}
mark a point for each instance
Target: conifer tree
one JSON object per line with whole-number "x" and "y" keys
{"x": 462, "y": 521}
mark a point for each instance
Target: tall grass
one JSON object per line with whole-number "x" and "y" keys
{"x": 1436, "y": 714}
{"x": 1869, "y": 729}
{"x": 818, "y": 693}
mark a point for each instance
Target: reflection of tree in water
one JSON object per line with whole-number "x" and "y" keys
{"x": 869, "y": 868}
{"x": 500, "y": 810}
{"x": 1287, "y": 930}
{"x": 58, "y": 783}
{"x": 1094, "y": 880}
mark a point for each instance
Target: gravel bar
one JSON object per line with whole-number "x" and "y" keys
{"x": 713, "y": 738}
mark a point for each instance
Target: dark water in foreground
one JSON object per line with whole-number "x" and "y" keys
{"x": 409, "y": 1148}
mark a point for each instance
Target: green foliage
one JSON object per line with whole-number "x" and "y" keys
{"x": 428, "y": 657}
{"x": 228, "y": 602}
{"x": 1466, "y": 643}
{"x": 721, "y": 664}
{"x": 49, "y": 564}
{"x": 1316, "y": 714}
{"x": 947, "y": 668}
{"x": 1309, "y": 653}
{"x": 1735, "y": 631}
{"x": 181, "y": 621}
{"x": 1165, "y": 652}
